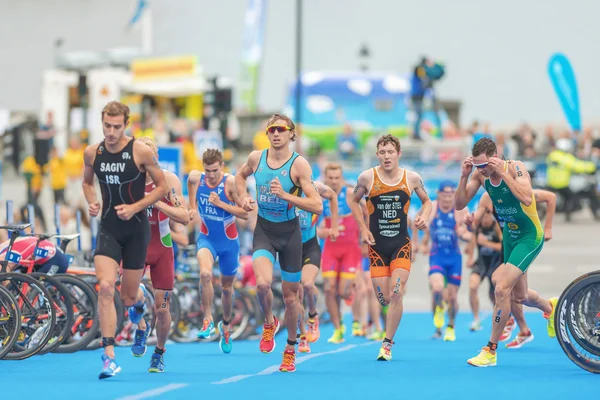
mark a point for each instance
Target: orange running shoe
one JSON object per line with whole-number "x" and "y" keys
{"x": 303, "y": 346}
{"x": 267, "y": 341}
{"x": 508, "y": 329}
{"x": 313, "y": 329}
{"x": 289, "y": 361}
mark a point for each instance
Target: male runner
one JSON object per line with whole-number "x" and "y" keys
{"x": 341, "y": 257}
{"x": 388, "y": 189}
{"x": 214, "y": 195}
{"x": 509, "y": 187}
{"x": 311, "y": 262}
{"x": 445, "y": 259}
{"x": 121, "y": 164}
{"x": 487, "y": 237}
{"x": 281, "y": 177}
{"x": 160, "y": 259}
{"x": 485, "y": 205}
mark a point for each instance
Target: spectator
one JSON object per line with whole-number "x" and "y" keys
{"x": 43, "y": 141}
{"x": 33, "y": 176}
{"x": 73, "y": 164}
{"x": 524, "y": 137}
{"x": 347, "y": 143}
{"x": 58, "y": 176}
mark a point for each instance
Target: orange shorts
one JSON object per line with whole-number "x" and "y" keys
{"x": 383, "y": 262}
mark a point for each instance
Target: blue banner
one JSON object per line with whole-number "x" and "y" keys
{"x": 170, "y": 159}
{"x": 563, "y": 80}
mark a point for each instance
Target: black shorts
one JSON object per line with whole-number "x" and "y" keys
{"x": 128, "y": 244}
{"x": 486, "y": 265}
{"x": 311, "y": 253}
{"x": 58, "y": 264}
{"x": 283, "y": 238}
{"x": 385, "y": 257}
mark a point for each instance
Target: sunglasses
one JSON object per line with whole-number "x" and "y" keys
{"x": 480, "y": 166}
{"x": 278, "y": 128}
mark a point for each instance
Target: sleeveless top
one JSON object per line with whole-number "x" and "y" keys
{"x": 160, "y": 231}
{"x": 270, "y": 207}
{"x": 216, "y": 225}
{"x": 519, "y": 220}
{"x": 442, "y": 229}
{"x": 308, "y": 224}
{"x": 490, "y": 234}
{"x": 388, "y": 207}
{"x": 349, "y": 232}
{"x": 121, "y": 182}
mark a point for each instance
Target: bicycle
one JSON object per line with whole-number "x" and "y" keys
{"x": 577, "y": 321}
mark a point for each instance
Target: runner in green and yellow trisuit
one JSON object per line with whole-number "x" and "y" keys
{"x": 509, "y": 186}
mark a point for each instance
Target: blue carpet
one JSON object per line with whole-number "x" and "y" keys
{"x": 421, "y": 369}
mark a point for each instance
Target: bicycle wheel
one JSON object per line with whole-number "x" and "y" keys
{"x": 85, "y": 324}
{"x": 10, "y": 321}
{"x": 175, "y": 312}
{"x": 37, "y": 313}
{"x": 571, "y": 316}
{"x": 63, "y": 305}
{"x": 192, "y": 314}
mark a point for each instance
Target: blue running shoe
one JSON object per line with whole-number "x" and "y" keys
{"x": 225, "y": 344}
{"x": 139, "y": 343}
{"x": 136, "y": 312}
{"x": 157, "y": 364}
{"x": 208, "y": 328}
{"x": 110, "y": 367}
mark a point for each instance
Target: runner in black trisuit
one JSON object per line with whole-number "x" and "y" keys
{"x": 121, "y": 164}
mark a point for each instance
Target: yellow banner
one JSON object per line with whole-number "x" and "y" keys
{"x": 164, "y": 68}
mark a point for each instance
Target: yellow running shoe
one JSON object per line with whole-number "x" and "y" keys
{"x": 385, "y": 352}
{"x": 337, "y": 337}
{"x": 550, "y": 318}
{"x": 450, "y": 336}
{"x": 484, "y": 359}
{"x": 357, "y": 329}
{"x": 377, "y": 335}
{"x": 438, "y": 317}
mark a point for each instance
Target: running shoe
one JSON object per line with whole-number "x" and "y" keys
{"x": 550, "y": 317}
{"x": 136, "y": 312}
{"x": 289, "y": 361}
{"x": 475, "y": 325}
{"x": 437, "y": 334}
{"x": 208, "y": 328}
{"x": 439, "y": 318}
{"x": 138, "y": 349}
{"x": 508, "y": 329}
{"x": 357, "y": 329}
{"x": 225, "y": 343}
{"x": 313, "y": 329}
{"x": 109, "y": 367}
{"x": 385, "y": 352}
{"x": 157, "y": 364}
{"x": 520, "y": 340}
{"x": 303, "y": 346}
{"x": 267, "y": 341}
{"x": 377, "y": 335}
{"x": 450, "y": 335}
{"x": 484, "y": 359}
{"x": 337, "y": 337}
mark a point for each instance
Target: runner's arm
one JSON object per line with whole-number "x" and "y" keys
{"x": 519, "y": 185}
{"x": 485, "y": 204}
{"x": 244, "y": 172}
{"x": 179, "y": 234}
{"x": 360, "y": 190}
{"x": 149, "y": 162}
{"x": 327, "y": 193}
{"x": 178, "y": 211}
{"x": 417, "y": 182}
{"x": 484, "y": 242}
{"x": 302, "y": 173}
{"x": 498, "y": 230}
{"x": 192, "y": 184}
{"x": 232, "y": 194}
{"x": 466, "y": 190}
{"x": 544, "y": 196}
{"x": 89, "y": 191}
{"x": 461, "y": 226}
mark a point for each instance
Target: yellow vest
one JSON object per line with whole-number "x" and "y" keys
{"x": 58, "y": 174}
{"x": 561, "y": 165}
{"x": 73, "y": 162}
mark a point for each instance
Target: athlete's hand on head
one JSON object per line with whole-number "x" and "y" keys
{"x": 125, "y": 211}
{"x": 214, "y": 199}
{"x": 367, "y": 237}
{"x": 248, "y": 203}
{"x": 467, "y": 166}
{"x": 276, "y": 188}
{"x": 497, "y": 164}
{"x": 94, "y": 209}
{"x": 547, "y": 234}
{"x": 421, "y": 222}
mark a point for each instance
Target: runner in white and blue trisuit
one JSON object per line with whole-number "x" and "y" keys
{"x": 311, "y": 263}
{"x": 213, "y": 194}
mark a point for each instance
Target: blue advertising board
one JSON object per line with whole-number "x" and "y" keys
{"x": 170, "y": 158}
